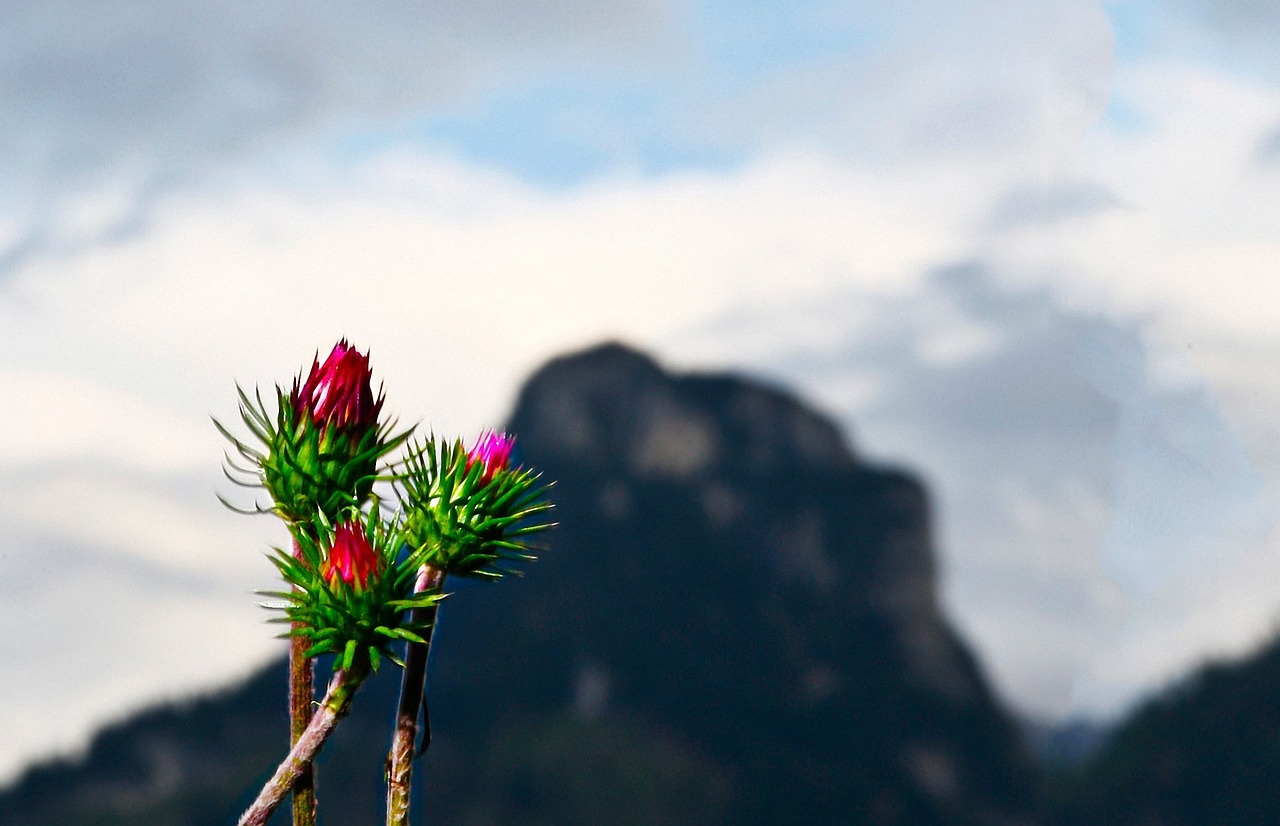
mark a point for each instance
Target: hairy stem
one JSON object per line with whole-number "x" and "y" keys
{"x": 412, "y": 688}
{"x": 334, "y": 706}
{"x": 302, "y": 695}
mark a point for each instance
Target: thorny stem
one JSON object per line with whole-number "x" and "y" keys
{"x": 412, "y": 687}
{"x": 333, "y": 708}
{"x": 302, "y": 695}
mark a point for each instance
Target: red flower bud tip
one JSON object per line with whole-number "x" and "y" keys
{"x": 493, "y": 451}
{"x": 338, "y": 392}
{"x": 351, "y": 557}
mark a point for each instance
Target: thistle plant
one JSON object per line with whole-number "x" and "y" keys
{"x": 318, "y": 454}
{"x": 362, "y": 582}
{"x": 468, "y": 513}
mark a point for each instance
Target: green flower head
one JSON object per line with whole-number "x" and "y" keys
{"x": 352, "y": 590}
{"x": 468, "y": 512}
{"x": 320, "y": 451}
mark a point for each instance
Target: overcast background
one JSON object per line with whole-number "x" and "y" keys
{"x": 1026, "y": 248}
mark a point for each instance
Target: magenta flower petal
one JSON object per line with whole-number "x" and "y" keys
{"x": 351, "y": 558}
{"x": 339, "y": 392}
{"x": 492, "y": 451}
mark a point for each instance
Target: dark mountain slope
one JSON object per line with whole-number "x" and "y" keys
{"x": 201, "y": 762}
{"x": 1205, "y": 752}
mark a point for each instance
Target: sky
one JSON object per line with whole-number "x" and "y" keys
{"x": 1025, "y": 249}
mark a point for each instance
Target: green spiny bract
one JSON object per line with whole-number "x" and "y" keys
{"x": 465, "y": 517}
{"x": 320, "y": 451}
{"x": 353, "y": 617}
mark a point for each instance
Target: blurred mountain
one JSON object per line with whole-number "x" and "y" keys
{"x": 1205, "y": 752}
{"x": 737, "y": 622}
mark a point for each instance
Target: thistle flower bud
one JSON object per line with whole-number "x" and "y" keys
{"x": 324, "y": 454}
{"x": 468, "y": 512}
{"x": 338, "y": 393}
{"x": 350, "y": 588}
{"x": 321, "y": 448}
{"x": 492, "y": 451}
{"x": 351, "y": 557}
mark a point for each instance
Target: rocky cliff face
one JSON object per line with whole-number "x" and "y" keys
{"x": 729, "y": 574}
{"x": 736, "y": 623}
{"x": 763, "y": 478}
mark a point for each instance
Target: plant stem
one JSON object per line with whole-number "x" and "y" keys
{"x": 412, "y": 688}
{"x": 302, "y": 695}
{"x": 333, "y": 707}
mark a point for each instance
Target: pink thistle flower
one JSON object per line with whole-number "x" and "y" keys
{"x": 339, "y": 392}
{"x": 351, "y": 557}
{"x": 492, "y": 451}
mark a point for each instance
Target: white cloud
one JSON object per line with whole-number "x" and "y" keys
{"x": 226, "y": 286}
{"x": 115, "y": 109}
{"x": 68, "y": 415}
{"x": 96, "y": 636}
{"x": 112, "y": 106}
{"x": 96, "y": 87}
